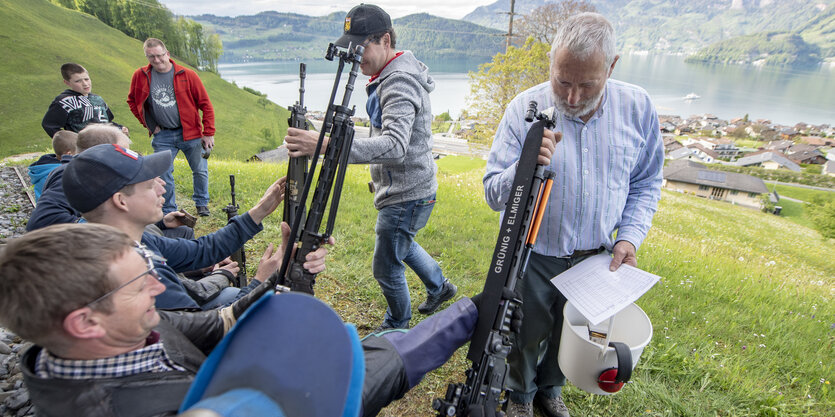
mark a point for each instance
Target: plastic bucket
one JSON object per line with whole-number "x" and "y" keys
{"x": 583, "y": 360}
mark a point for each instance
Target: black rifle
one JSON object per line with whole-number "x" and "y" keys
{"x": 481, "y": 394}
{"x": 239, "y": 255}
{"x": 338, "y": 122}
{"x": 297, "y": 166}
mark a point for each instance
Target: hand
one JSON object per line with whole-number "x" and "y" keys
{"x": 208, "y": 142}
{"x": 269, "y": 202}
{"x": 623, "y": 253}
{"x": 229, "y": 265}
{"x": 156, "y": 130}
{"x": 302, "y": 142}
{"x": 125, "y": 130}
{"x": 546, "y": 150}
{"x": 271, "y": 260}
{"x": 172, "y": 219}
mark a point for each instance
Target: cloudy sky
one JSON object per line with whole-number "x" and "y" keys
{"x": 396, "y": 8}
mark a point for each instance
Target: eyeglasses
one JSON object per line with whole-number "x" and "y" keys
{"x": 149, "y": 257}
{"x": 157, "y": 56}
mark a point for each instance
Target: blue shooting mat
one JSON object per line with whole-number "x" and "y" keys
{"x": 292, "y": 348}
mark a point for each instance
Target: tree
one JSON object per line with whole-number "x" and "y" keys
{"x": 542, "y": 23}
{"x": 496, "y": 83}
{"x": 822, "y": 214}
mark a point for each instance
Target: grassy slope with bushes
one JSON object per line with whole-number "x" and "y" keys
{"x": 744, "y": 321}
{"x": 38, "y": 37}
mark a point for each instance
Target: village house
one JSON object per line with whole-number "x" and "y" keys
{"x": 779, "y": 145}
{"x": 768, "y": 160}
{"x": 671, "y": 144}
{"x": 829, "y": 168}
{"x": 692, "y": 178}
{"x": 817, "y": 141}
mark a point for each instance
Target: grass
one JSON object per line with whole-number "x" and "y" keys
{"x": 743, "y": 317}
{"x": 35, "y": 46}
{"x": 804, "y": 194}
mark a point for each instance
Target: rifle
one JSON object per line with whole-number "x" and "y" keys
{"x": 297, "y": 166}
{"x": 481, "y": 394}
{"x": 239, "y": 255}
{"x": 338, "y": 122}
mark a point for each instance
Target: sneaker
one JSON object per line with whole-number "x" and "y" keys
{"x": 386, "y": 327}
{"x": 515, "y": 409}
{"x": 203, "y": 211}
{"x": 551, "y": 407}
{"x": 434, "y": 301}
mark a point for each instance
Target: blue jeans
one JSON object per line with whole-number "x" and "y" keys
{"x": 172, "y": 140}
{"x": 396, "y": 227}
{"x": 225, "y": 298}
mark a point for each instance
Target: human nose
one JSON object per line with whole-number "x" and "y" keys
{"x": 573, "y": 96}
{"x": 160, "y": 185}
{"x": 157, "y": 287}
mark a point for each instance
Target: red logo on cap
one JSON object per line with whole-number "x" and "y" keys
{"x": 127, "y": 152}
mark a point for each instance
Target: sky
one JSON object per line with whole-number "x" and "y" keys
{"x": 395, "y": 8}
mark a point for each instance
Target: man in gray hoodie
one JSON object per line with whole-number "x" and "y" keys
{"x": 400, "y": 153}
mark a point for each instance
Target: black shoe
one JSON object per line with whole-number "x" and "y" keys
{"x": 550, "y": 407}
{"x": 386, "y": 327}
{"x": 434, "y": 301}
{"x": 203, "y": 211}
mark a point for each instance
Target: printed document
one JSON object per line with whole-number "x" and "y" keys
{"x": 598, "y": 293}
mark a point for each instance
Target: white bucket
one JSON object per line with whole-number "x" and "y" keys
{"x": 582, "y": 360}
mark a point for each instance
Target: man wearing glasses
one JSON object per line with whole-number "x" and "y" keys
{"x": 85, "y": 294}
{"x": 166, "y": 97}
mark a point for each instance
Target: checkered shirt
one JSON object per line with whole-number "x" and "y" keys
{"x": 151, "y": 358}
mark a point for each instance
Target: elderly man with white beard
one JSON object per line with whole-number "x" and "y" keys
{"x": 607, "y": 156}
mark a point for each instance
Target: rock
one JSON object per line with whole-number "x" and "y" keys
{"x": 27, "y": 410}
{"x": 17, "y": 400}
{"x": 5, "y": 349}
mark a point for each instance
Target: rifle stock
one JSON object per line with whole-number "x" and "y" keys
{"x": 338, "y": 123}
{"x": 481, "y": 394}
{"x": 239, "y": 255}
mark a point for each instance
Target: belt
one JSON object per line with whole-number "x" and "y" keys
{"x": 583, "y": 253}
{"x": 170, "y": 128}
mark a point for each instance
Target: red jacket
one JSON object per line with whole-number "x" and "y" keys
{"x": 190, "y": 95}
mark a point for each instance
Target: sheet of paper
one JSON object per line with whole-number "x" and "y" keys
{"x": 598, "y": 293}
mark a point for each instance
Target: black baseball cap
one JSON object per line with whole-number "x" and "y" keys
{"x": 362, "y": 21}
{"x": 101, "y": 171}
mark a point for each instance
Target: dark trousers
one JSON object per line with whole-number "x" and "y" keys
{"x": 533, "y": 358}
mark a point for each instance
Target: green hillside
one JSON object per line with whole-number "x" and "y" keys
{"x": 38, "y": 37}
{"x": 274, "y": 36}
{"x": 772, "y": 48}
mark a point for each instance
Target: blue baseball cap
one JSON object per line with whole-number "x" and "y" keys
{"x": 101, "y": 171}
{"x": 291, "y": 349}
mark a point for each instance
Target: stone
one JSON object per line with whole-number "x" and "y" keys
{"x": 18, "y": 399}
{"x": 5, "y": 349}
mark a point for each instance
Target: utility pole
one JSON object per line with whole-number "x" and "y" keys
{"x": 510, "y": 26}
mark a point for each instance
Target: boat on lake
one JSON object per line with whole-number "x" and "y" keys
{"x": 692, "y": 96}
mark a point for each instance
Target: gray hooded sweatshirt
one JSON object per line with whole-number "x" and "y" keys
{"x": 400, "y": 152}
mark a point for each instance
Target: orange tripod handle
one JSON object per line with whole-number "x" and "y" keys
{"x": 542, "y": 202}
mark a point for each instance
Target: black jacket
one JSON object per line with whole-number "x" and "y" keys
{"x": 187, "y": 337}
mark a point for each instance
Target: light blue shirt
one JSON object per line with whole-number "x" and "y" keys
{"x": 608, "y": 170}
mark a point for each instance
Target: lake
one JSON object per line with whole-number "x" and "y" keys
{"x": 782, "y": 95}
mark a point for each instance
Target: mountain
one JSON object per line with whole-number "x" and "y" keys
{"x": 772, "y": 48}
{"x": 35, "y": 46}
{"x": 686, "y": 26}
{"x": 274, "y": 36}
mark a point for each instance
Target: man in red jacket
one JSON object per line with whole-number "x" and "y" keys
{"x": 166, "y": 97}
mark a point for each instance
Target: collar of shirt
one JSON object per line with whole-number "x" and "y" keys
{"x": 151, "y": 358}
{"x": 374, "y": 77}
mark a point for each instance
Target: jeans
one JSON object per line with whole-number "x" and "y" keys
{"x": 225, "y": 298}
{"x": 172, "y": 140}
{"x": 396, "y": 227}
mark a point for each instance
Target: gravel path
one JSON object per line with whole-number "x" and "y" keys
{"x": 14, "y": 211}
